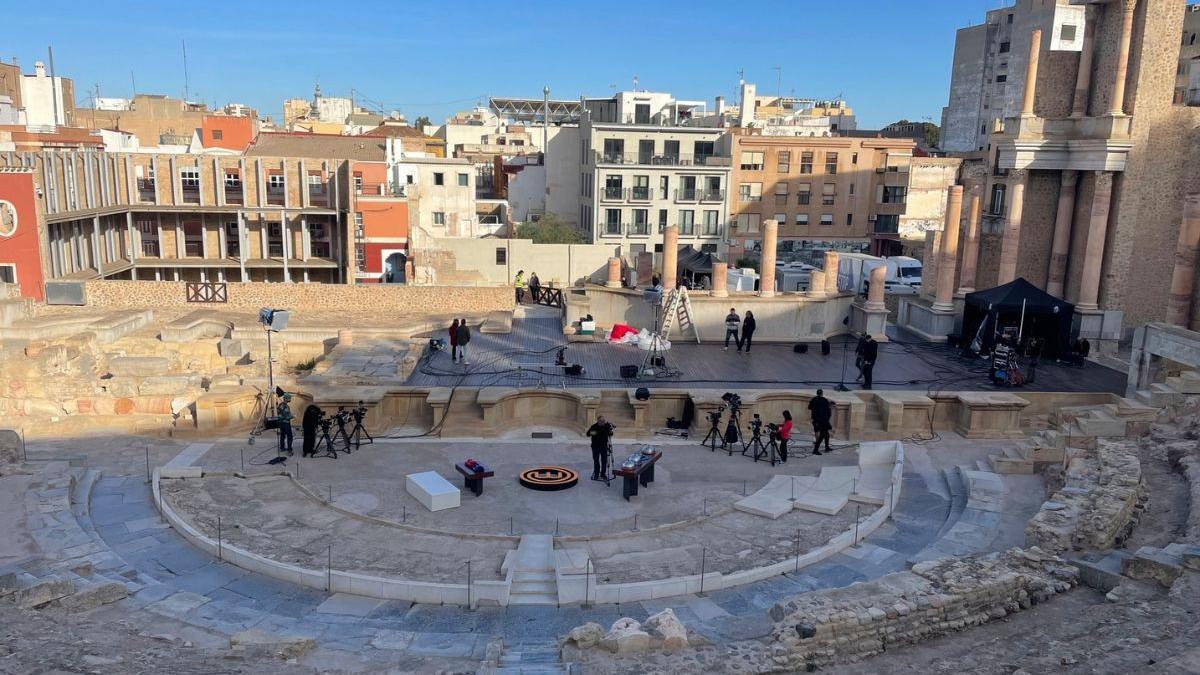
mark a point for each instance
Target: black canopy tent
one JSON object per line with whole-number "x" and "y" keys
{"x": 1046, "y": 316}
{"x": 696, "y": 265}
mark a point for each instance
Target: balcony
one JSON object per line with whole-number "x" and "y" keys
{"x": 145, "y": 189}
{"x": 687, "y": 195}
{"x": 639, "y": 229}
{"x": 613, "y": 229}
{"x": 276, "y": 195}
{"x": 639, "y": 194}
{"x": 642, "y": 159}
{"x": 380, "y": 190}
{"x": 712, "y": 196}
{"x": 234, "y": 193}
{"x": 318, "y": 192}
{"x": 150, "y": 248}
{"x": 712, "y": 230}
{"x": 319, "y": 249}
{"x": 190, "y": 193}
{"x": 612, "y": 194}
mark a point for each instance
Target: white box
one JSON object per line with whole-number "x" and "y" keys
{"x": 433, "y": 491}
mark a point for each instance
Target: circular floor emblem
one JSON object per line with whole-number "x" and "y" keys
{"x": 549, "y": 478}
{"x": 8, "y": 219}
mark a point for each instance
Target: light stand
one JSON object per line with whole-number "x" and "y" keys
{"x": 654, "y": 364}
{"x": 841, "y": 386}
{"x": 272, "y": 320}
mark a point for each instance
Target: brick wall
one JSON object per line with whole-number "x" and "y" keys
{"x": 387, "y": 300}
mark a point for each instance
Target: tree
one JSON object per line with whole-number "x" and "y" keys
{"x": 550, "y": 229}
{"x": 422, "y": 122}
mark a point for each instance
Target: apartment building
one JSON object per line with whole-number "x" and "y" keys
{"x": 1187, "y": 76}
{"x": 440, "y": 191}
{"x": 379, "y": 216}
{"x": 648, "y": 162}
{"x": 154, "y": 119}
{"x": 187, "y": 217}
{"x": 827, "y": 193}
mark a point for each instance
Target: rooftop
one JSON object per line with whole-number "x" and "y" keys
{"x": 317, "y": 146}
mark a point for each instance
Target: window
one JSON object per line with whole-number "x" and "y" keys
{"x": 780, "y": 218}
{"x": 8, "y": 274}
{"x": 785, "y": 161}
{"x": 852, "y": 189}
{"x": 358, "y": 225}
{"x": 806, "y": 160}
{"x": 439, "y": 178}
{"x": 750, "y": 192}
{"x": 662, "y": 219}
{"x": 687, "y": 222}
{"x": 315, "y": 229}
{"x": 612, "y": 186}
{"x": 712, "y": 225}
{"x": 276, "y": 182}
{"x": 463, "y": 180}
{"x": 849, "y": 219}
{"x": 439, "y": 217}
{"x": 1067, "y": 34}
{"x": 1004, "y": 47}
{"x": 360, "y": 258}
{"x": 703, "y": 150}
{"x": 1009, "y": 19}
{"x": 612, "y": 221}
{"x": 998, "y": 193}
{"x": 828, "y": 194}
{"x": 641, "y": 221}
{"x": 894, "y": 194}
{"x": 614, "y": 150}
{"x": 804, "y": 194}
{"x": 501, "y": 255}
{"x": 641, "y": 187}
{"x": 781, "y": 194}
{"x": 712, "y": 189}
{"x": 831, "y": 162}
{"x": 752, "y": 161}
{"x": 826, "y": 218}
{"x": 854, "y": 158}
{"x": 1001, "y": 78}
{"x": 217, "y": 134}
{"x": 802, "y": 219}
{"x": 887, "y": 223}
{"x": 746, "y": 222}
{"x": 641, "y": 113}
{"x": 664, "y": 186}
{"x": 233, "y": 180}
{"x": 189, "y": 179}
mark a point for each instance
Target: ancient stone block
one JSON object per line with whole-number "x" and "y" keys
{"x": 138, "y": 366}
{"x": 588, "y": 635}
{"x": 94, "y": 596}
{"x": 626, "y": 637}
{"x": 43, "y": 591}
{"x": 668, "y": 628}
{"x": 282, "y": 645}
{"x": 167, "y": 385}
{"x": 10, "y": 446}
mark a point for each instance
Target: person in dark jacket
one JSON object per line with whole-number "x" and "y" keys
{"x": 601, "y": 434}
{"x": 312, "y": 417}
{"x": 748, "y": 326}
{"x": 464, "y": 337}
{"x": 732, "y": 323}
{"x": 454, "y": 341}
{"x": 870, "y": 356}
{"x": 858, "y": 355}
{"x": 822, "y": 414}
{"x": 535, "y": 287}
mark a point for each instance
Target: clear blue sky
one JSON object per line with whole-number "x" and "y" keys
{"x": 888, "y": 59}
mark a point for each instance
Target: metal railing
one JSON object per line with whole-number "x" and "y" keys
{"x": 612, "y": 229}
{"x": 712, "y": 195}
{"x": 612, "y": 193}
{"x": 686, "y": 195}
{"x": 380, "y": 189}
{"x": 638, "y": 193}
{"x": 642, "y": 159}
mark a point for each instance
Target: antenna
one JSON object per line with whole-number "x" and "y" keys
{"x": 778, "y": 81}
{"x": 185, "y": 72}
{"x": 133, "y": 87}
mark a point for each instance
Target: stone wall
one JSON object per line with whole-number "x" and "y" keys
{"x": 386, "y": 300}
{"x": 1099, "y": 504}
{"x": 933, "y": 598}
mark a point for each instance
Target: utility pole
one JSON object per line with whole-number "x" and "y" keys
{"x": 53, "y": 84}
{"x": 185, "y": 72}
{"x": 779, "y": 81}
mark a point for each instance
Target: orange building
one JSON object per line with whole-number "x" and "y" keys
{"x": 228, "y": 131}
{"x": 20, "y": 243}
{"x": 380, "y": 212}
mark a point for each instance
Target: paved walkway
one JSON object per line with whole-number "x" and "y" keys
{"x": 904, "y": 363}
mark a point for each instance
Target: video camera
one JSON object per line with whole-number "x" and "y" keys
{"x": 774, "y": 430}
{"x": 756, "y": 424}
{"x": 732, "y": 400}
{"x": 359, "y": 412}
{"x": 715, "y": 417}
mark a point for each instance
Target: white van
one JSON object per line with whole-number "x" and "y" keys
{"x": 904, "y": 270}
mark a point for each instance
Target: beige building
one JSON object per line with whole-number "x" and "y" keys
{"x": 1089, "y": 187}
{"x": 440, "y": 190}
{"x": 1187, "y": 77}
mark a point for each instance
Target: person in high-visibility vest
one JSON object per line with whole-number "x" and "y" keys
{"x": 520, "y": 285}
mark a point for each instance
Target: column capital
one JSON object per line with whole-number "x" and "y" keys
{"x": 1127, "y": 6}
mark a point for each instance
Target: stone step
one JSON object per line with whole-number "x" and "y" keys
{"x": 516, "y": 598}
{"x": 533, "y": 575}
{"x": 983, "y": 465}
{"x": 534, "y": 588}
{"x": 958, "y": 499}
{"x": 1101, "y": 423}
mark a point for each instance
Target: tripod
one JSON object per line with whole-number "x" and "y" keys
{"x": 326, "y": 441}
{"x": 341, "y": 433}
{"x": 267, "y": 407}
{"x": 768, "y": 451}
{"x": 655, "y": 363}
{"x": 841, "y": 386}
{"x": 356, "y": 436}
{"x": 714, "y": 433}
{"x": 733, "y": 432}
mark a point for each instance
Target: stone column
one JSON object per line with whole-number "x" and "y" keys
{"x": 877, "y": 282}
{"x": 1179, "y": 305}
{"x": 614, "y": 273}
{"x": 1061, "y": 248}
{"x": 1031, "y": 70}
{"x": 1083, "y": 78}
{"x": 670, "y": 256}
{"x": 1093, "y": 254}
{"x": 766, "y": 278}
{"x": 966, "y": 280}
{"x": 1116, "y": 106}
{"x": 816, "y": 284}
{"x": 720, "y": 279}
{"x": 1010, "y": 244}
{"x": 831, "y": 273}
{"x": 948, "y": 260}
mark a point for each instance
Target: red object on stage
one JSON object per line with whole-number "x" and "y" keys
{"x": 620, "y": 330}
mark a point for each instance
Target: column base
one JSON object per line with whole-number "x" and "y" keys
{"x": 867, "y": 319}
{"x": 929, "y": 323}
{"x": 612, "y": 284}
{"x": 766, "y": 294}
{"x": 720, "y": 294}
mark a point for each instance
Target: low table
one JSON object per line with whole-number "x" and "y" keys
{"x": 473, "y": 480}
{"x": 434, "y": 492}
{"x": 643, "y": 473}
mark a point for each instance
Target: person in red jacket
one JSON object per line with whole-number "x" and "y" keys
{"x": 785, "y": 433}
{"x": 454, "y": 341}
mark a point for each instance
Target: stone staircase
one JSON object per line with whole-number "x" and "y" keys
{"x": 531, "y": 568}
{"x": 976, "y": 501}
{"x": 1172, "y": 391}
{"x": 531, "y": 658}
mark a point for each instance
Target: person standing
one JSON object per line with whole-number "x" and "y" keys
{"x": 285, "y": 423}
{"x": 785, "y": 434}
{"x": 748, "y": 326}
{"x": 732, "y": 323}
{"x": 308, "y": 425}
{"x": 464, "y": 338}
{"x": 535, "y": 287}
{"x": 858, "y": 356}
{"x": 601, "y": 435}
{"x": 519, "y": 284}
{"x": 870, "y": 356}
{"x": 454, "y": 342}
{"x": 822, "y": 414}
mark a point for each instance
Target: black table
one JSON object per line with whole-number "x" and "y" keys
{"x": 473, "y": 480}
{"x": 643, "y": 473}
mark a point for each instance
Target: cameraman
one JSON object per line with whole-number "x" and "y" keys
{"x": 285, "y": 423}
{"x": 312, "y": 418}
{"x": 601, "y": 434}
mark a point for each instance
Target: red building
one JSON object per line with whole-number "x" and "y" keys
{"x": 380, "y": 225}
{"x": 20, "y": 249}
{"x": 227, "y": 131}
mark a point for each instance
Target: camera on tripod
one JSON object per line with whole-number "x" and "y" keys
{"x": 774, "y": 429}
{"x": 715, "y": 417}
{"x": 756, "y": 424}
{"x": 732, "y": 400}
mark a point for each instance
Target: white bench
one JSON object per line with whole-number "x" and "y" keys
{"x": 433, "y": 491}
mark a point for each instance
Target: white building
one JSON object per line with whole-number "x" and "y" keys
{"x": 440, "y": 191}
{"x": 43, "y": 98}
{"x": 648, "y": 162}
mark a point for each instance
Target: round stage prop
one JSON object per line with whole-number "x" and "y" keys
{"x": 549, "y": 478}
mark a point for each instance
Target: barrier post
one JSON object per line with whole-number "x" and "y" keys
{"x": 856, "y": 510}
{"x": 469, "y": 606}
{"x": 147, "y": 464}
{"x": 587, "y": 578}
{"x": 219, "y": 556}
{"x": 329, "y": 568}
{"x": 797, "y": 550}
{"x": 703, "y": 556}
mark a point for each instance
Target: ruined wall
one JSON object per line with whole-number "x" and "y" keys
{"x": 388, "y": 300}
